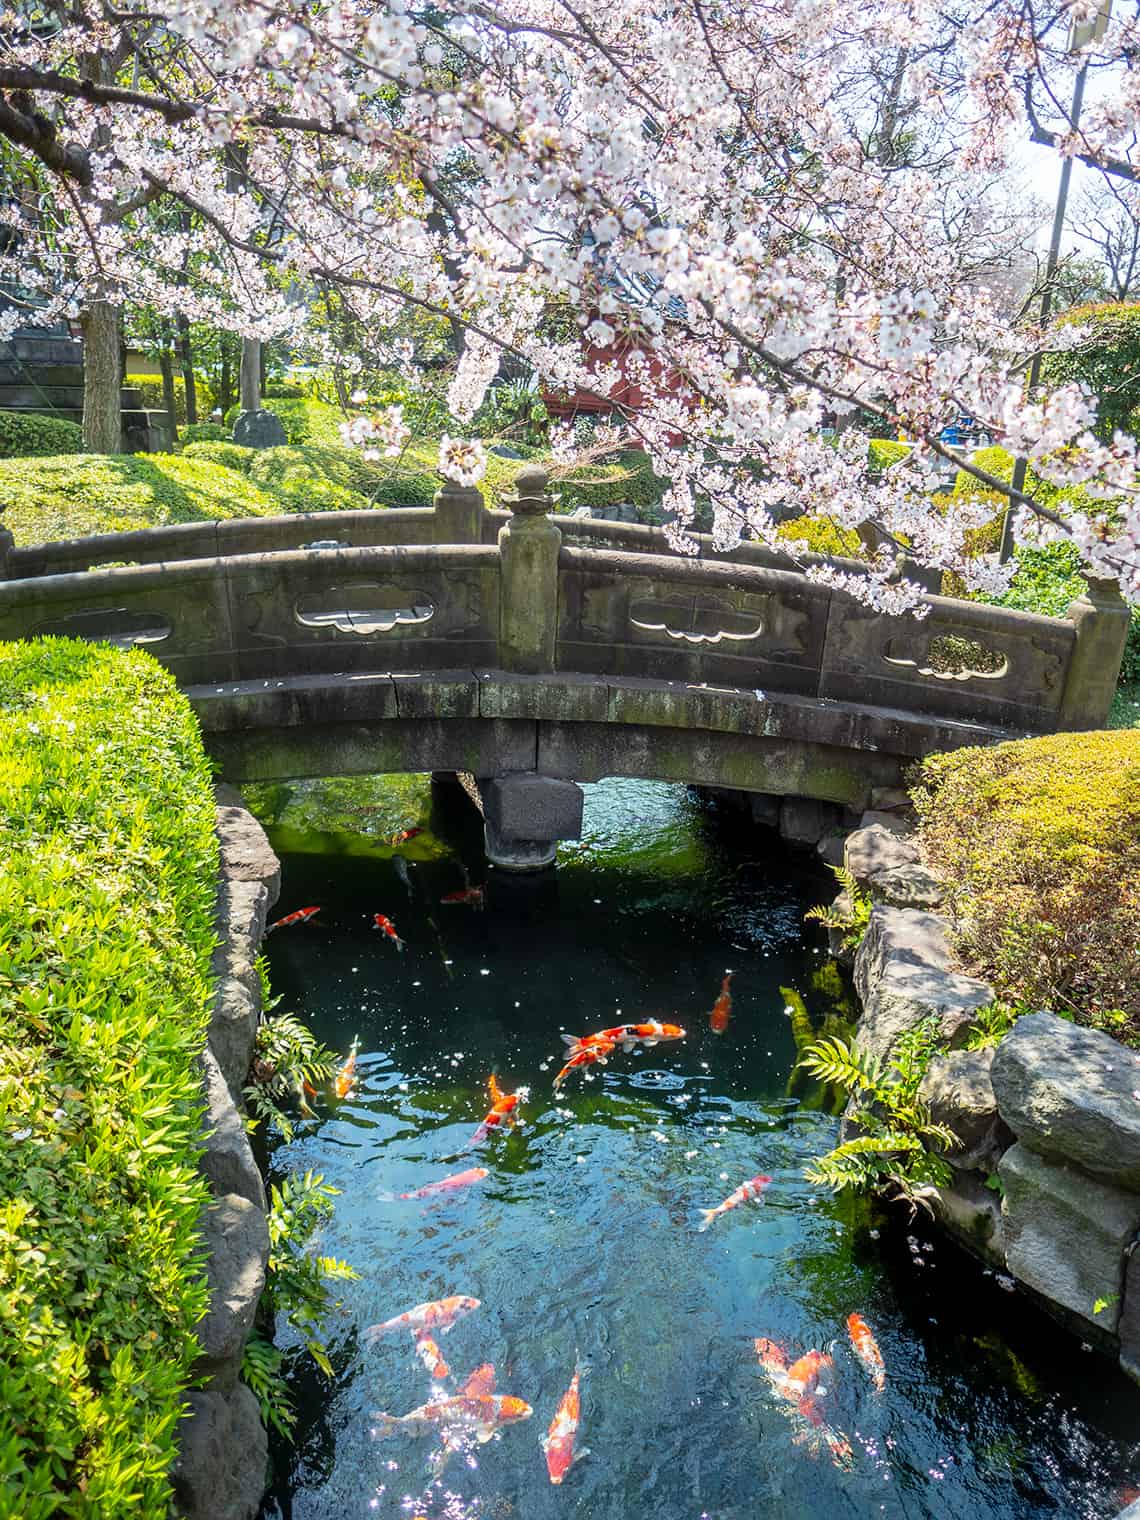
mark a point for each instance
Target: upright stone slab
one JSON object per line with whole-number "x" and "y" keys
{"x": 259, "y": 429}
{"x": 524, "y": 817}
{"x": 459, "y": 514}
{"x": 528, "y": 594}
{"x": 1070, "y": 1094}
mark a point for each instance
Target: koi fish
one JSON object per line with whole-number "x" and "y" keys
{"x": 773, "y": 1357}
{"x": 747, "y": 1191}
{"x": 802, "y": 1377}
{"x": 815, "y": 1432}
{"x": 439, "y": 1315}
{"x": 431, "y": 1356}
{"x": 503, "y": 1106}
{"x": 481, "y": 1381}
{"x": 627, "y": 1036}
{"x": 470, "y": 897}
{"x": 346, "y": 1076}
{"x": 302, "y": 916}
{"x": 789, "y": 1383}
{"x": 480, "y": 1415}
{"x": 403, "y": 836}
{"x": 722, "y": 1008}
{"x": 388, "y": 928}
{"x": 447, "y": 1184}
{"x": 866, "y": 1348}
{"x": 590, "y": 1050}
{"x": 558, "y": 1442}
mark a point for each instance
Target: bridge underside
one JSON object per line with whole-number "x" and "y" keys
{"x": 580, "y": 728}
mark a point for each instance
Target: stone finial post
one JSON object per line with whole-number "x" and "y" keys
{"x": 528, "y": 592}
{"x": 459, "y": 512}
{"x": 1101, "y": 619}
{"x": 7, "y": 544}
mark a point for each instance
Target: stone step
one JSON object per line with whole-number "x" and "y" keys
{"x": 16, "y": 372}
{"x": 47, "y": 350}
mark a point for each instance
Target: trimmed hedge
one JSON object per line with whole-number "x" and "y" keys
{"x": 233, "y": 456}
{"x": 23, "y": 435}
{"x": 150, "y": 388}
{"x": 630, "y": 479}
{"x": 107, "y": 884}
{"x": 1040, "y": 842}
{"x": 882, "y": 452}
{"x": 204, "y": 432}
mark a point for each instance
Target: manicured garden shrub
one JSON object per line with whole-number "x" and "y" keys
{"x": 822, "y": 536}
{"x": 630, "y": 479}
{"x": 150, "y": 391}
{"x": 232, "y": 455}
{"x": 204, "y": 432}
{"x": 1040, "y": 842}
{"x": 107, "y": 883}
{"x": 882, "y": 452}
{"x": 22, "y": 434}
{"x": 300, "y": 477}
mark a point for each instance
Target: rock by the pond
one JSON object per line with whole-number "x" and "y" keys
{"x": 242, "y": 906}
{"x": 1128, "y": 1328}
{"x": 236, "y": 1237}
{"x": 874, "y": 849}
{"x": 959, "y": 1093}
{"x": 1065, "y": 1234}
{"x": 830, "y": 848}
{"x": 233, "y": 1029}
{"x": 1070, "y": 1093}
{"x": 227, "y": 1159}
{"x": 903, "y": 977}
{"x": 219, "y": 1473}
{"x": 884, "y": 818}
{"x": 971, "y": 1212}
{"x": 261, "y": 429}
{"x": 909, "y": 886}
{"x": 246, "y": 854}
{"x": 801, "y": 820}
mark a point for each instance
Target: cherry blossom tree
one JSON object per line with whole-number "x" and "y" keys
{"x": 713, "y": 189}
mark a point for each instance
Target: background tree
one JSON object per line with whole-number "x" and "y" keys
{"x": 1107, "y": 215}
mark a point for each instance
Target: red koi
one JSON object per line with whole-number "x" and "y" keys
{"x": 866, "y": 1348}
{"x": 346, "y": 1076}
{"x": 481, "y": 1382}
{"x": 448, "y": 1184}
{"x": 503, "y": 1106}
{"x": 431, "y": 1356}
{"x": 558, "y": 1443}
{"x": 627, "y": 1036}
{"x": 469, "y": 897}
{"x": 439, "y": 1315}
{"x": 802, "y": 1377}
{"x": 747, "y": 1191}
{"x": 403, "y": 836}
{"x": 722, "y": 1008}
{"x": 302, "y": 916}
{"x": 590, "y": 1050}
{"x": 388, "y": 928}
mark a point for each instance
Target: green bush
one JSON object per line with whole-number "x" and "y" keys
{"x": 232, "y": 455}
{"x": 882, "y": 452}
{"x": 629, "y": 479}
{"x": 204, "y": 432}
{"x": 23, "y": 435}
{"x": 107, "y": 887}
{"x": 150, "y": 389}
{"x": 304, "y": 418}
{"x": 823, "y": 536}
{"x": 1108, "y": 362}
{"x": 304, "y": 480}
{"x": 1040, "y": 842}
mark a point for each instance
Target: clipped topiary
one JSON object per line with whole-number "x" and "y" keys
{"x": 24, "y": 435}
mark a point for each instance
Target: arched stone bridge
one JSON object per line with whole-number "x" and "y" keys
{"x": 454, "y": 638}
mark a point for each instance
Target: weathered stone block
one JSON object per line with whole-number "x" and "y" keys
{"x": 241, "y": 912}
{"x": 910, "y": 886}
{"x": 801, "y": 820}
{"x": 830, "y": 847}
{"x": 233, "y": 1029}
{"x": 1068, "y": 1093}
{"x": 883, "y": 818}
{"x": 1066, "y": 1234}
{"x": 259, "y": 430}
{"x": 874, "y": 849}
{"x": 1128, "y": 1327}
{"x": 960, "y": 1095}
{"x": 530, "y": 807}
{"x": 765, "y": 809}
{"x": 236, "y": 1238}
{"x": 227, "y": 1160}
{"x": 971, "y": 1212}
{"x": 903, "y": 976}
{"x": 219, "y": 1473}
{"x": 246, "y": 852}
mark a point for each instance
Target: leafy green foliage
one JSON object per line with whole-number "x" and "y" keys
{"x": 108, "y": 867}
{"x": 150, "y": 391}
{"x": 628, "y": 478}
{"x": 1039, "y": 843}
{"x": 851, "y": 911}
{"x": 883, "y": 452}
{"x": 893, "y": 1152}
{"x": 297, "y": 1282}
{"x": 286, "y": 1057}
{"x": 23, "y": 435}
{"x": 513, "y": 410}
{"x": 1108, "y": 362}
{"x": 261, "y": 1371}
{"x": 990, "y": 1026}
{"x": 204, "y": 432}
{"x": 231, "y": 456}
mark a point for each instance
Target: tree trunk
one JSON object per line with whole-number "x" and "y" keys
{"x": 250, "y": 383}
{"x": 166, "y": 365}
{"x": 186, "y": 356}
{"x": 225, "y": 383}
{"x": 262, "y": 371}
{"x": 102, "y": 402}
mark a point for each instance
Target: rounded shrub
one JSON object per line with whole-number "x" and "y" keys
{"x": 23, "y": 435}
{"x": 232, "y": 455}
{"x": 150, "y": 390}
{"x": 204, "y": 432}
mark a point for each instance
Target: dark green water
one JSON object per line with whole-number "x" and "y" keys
{"x": 583, "y": 1237}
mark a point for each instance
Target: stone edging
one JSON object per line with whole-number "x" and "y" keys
{"x": 220, "y": 1470}
{"x": 1052, "y": 1112}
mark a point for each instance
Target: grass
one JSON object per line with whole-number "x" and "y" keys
{"x": 107, "y": 879}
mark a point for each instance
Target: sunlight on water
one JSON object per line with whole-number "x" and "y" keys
{"x": 582, "y": 1240}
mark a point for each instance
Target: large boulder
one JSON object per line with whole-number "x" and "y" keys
{"x": 959, "y": 1093}
{"x": 909, "y": 886}
{"x": 236, "y": 1237}
{"x": 245, "y": 851}
{"x": 227, "y": 1158}
{"x": 1071, "y": 1094}
{"x": 903, "y": 976}
{"x": 219, "y": 1473}
{"x": 971, "y": 1212}
{"x": 1066, "y": 1235}
{"x": 877, "y": 848}
{"x": 242, "y": 906}
{"x": 1129, "y": 1327}
{"x": 233, "y": 1028}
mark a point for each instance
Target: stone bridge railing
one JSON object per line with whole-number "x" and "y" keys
{"x": 587, "y": 623}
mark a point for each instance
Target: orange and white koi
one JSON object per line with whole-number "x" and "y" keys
{"x": 748, "y": 1191}
{"x": 866, "y": 1348}
{"x": 593, "y": 1049}
{"x": 431, "y": 1356}
{"x": 482, "y": 1380}
{"x": 789, "y": 1383}
{"x": 301, "y": 916}
{"x": 503, "y": 1110}
{"x": 722, "y": 1008}
{"x": 388, "y": 928}
{"x": 627, "y": 1036}
{"x": 802, "y": 1377}
{"x": 439, "y": 1315}
{"x": 773, "y": 1357}
{"x": 447, "y": 1184}
{"x": 480, "y": 1415}
{"x": 558, "y": 1442}
{"x": 346, "y": 1076}
{"x": 469, "y": 897}
{"x": 814, "y": 1432}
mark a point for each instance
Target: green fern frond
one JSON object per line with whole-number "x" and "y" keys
{"x": 261, "y": 1373}
{"x": 847, "y": 881}
{"x": 834, "y": 1060}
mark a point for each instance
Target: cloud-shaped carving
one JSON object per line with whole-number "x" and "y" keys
{"x": 950, "y": 657}
{"x": 696, "y": 621}
{"x": 109, "y": 625}
{"x": 364, "y": 609}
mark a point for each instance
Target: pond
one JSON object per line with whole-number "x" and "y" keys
{"x": 582, "y": 1241}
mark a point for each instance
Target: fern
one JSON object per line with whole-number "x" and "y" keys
{"x": 261, "y": 1373}
{"x": 287, "y": 1059}
{"x": 854, "y": 919}
{"x": 297, "y": 1280}
{"x": 836, "y": 1061}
